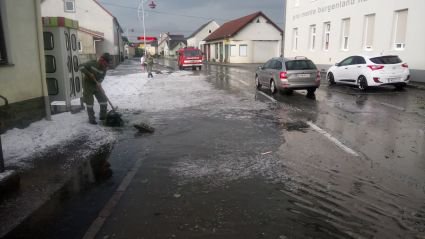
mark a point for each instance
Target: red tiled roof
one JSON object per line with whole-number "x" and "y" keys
{"x": 231, "y": 28}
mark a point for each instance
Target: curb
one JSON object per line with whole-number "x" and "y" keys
{"x": 9, "y": 182}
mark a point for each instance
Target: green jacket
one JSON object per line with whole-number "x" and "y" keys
{"x": 149, "y": 61}
{"x": 94, "y": 68}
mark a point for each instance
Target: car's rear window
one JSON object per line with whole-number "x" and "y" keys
{"x": 386, "y": 60}
{"x": 300, "y": 65}
{"x": 192, "y": 52}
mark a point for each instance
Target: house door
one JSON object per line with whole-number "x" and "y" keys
{"x": 221, "y": 55}
{"x": 226, "y": 53}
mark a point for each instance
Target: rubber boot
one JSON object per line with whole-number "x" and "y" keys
{"x": 90, "y": 113}
{"x": 102, "y": 113}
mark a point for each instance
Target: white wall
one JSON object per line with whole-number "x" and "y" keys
{"x": 307, "y": 13}
{"x": 201, "y": 35}
{"x": 22, "y": 78}
{"x": 241, "y": 59}
{"x": 255, "y": 36}
{"x": 258, "y": 31}
{"x": 89, "y": 15}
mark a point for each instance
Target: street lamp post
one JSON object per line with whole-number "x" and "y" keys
{"x": 142, "y": 6}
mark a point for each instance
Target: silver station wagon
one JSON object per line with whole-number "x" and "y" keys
{"x": 288, "y": 74}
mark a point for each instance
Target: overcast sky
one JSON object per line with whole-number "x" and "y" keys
{"x": 185, "y": 16}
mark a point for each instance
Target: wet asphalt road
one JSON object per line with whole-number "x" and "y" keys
{"x": 234, "y": 162}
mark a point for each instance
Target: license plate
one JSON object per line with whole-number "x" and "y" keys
{"x": 392, "y": 80}
{"x": 304, "y": 75}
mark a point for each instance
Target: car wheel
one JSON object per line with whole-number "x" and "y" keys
{"x": 273, "y": 88}
{"x": 311, "y": 91}
{"x": 362, "y": 83}
{"x": 331, "y": 79}
{"x": 257, "y": 82}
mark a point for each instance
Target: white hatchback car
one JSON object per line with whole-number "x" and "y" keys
{"x": 365, "y": 71}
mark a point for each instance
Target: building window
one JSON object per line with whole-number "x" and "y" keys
{"x": 73, "y": 42}
{"x": 295, "y": 39}
{"x": 326, "y": 35}
{"x": 69, "y": 5}
{"x": 233, "y": 50}
{"x": 312, "y": 37}
{"x": 345, "y": 34}
{"x": 400, "y": 27}
{"x": 243, "y": 50}
{"x": 49, "y": 43}
{"x": 80, "y": 46}
{"x": 52, "y": 86}
{"x": 3, "y": 52}
{"x": 369, "y": 28}
{"x": 50, "y": 64}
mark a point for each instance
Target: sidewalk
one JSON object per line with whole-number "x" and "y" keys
{"x": 240, "y": 65}
{"x": 46, "y": 155}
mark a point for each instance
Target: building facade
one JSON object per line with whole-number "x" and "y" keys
{"x": 197, "y": 37}
{"x": 100, "y": 30}
{"x": 23, "y": 89}
{"x": 249, "y": 39}
{"x": 327, "y": 31}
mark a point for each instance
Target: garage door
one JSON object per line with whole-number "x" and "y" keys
{"x": 264, "y": 50}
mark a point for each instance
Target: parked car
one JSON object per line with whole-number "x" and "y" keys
{"x": 190, "y": 57}
{"x": 365, "y": 71}
{"x": 288, "y": 74}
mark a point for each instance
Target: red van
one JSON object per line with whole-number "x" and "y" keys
{"x": 189, "y": 57}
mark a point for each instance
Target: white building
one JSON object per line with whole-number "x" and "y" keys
{"x": 99, "y": 30}
{"x": 250, "y": 39}
{"x": 22, "y": 64}
{"x": 327, "y": 31}
{"x": 197, "y": 37}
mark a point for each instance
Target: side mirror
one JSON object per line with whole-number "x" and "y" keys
{"x": 337, "y": 64}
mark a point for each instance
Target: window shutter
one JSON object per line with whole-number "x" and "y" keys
{"x": 400, "y": 36}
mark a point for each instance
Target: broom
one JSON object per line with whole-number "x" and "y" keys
{"x": 113, "y": 118}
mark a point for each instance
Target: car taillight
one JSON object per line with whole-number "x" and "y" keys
{"x": 376, "y": 79}
{"x": 283, "y": 75}
{"x": 375, "y": 67}
{"x": 318, "y": 76}
{"x": 405, "y": 65}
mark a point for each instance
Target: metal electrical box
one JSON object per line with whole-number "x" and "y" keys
{"x": 64, "y": 81}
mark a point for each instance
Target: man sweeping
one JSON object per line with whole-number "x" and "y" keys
{"x": 94, "y": 73}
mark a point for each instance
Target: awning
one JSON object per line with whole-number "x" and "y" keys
{"x": 96, "y": 35}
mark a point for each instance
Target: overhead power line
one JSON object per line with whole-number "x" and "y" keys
{"x": 162, "y": 12}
